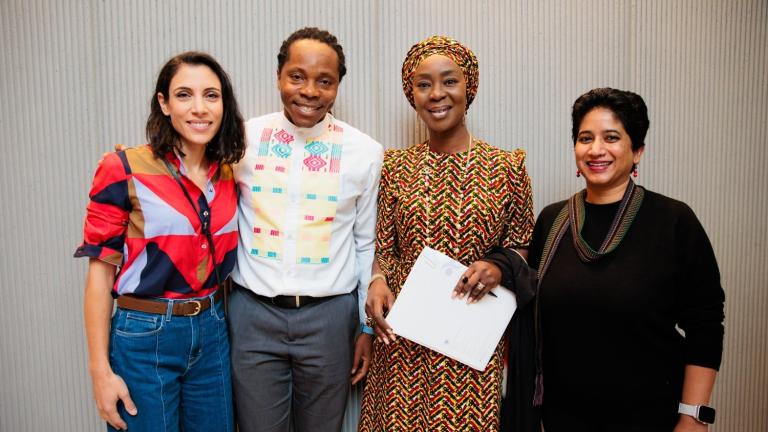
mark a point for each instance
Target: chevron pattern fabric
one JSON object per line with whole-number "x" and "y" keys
{"x": 462, "y": 205}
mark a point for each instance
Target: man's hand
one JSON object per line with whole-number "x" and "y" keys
{"x": 107, "y": 390}
{"x": 362, "y": 359}
{"x": 118, "y": 147}
{"x": 477, "y": 280}
{"x": 380, "y": 300}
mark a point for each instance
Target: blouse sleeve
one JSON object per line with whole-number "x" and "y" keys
{"x": 517, "y": 274}
{"x": 386, "y": 233}
{"x": 106, "y": 217}
{"x": 520, "y": 223}
{"x": 701, "y": 297}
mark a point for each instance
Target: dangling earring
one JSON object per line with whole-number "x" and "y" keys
{"x": 634, "y": 171}
{"x": 578, "y": 173}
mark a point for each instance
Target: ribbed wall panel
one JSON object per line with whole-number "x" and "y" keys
{"x": 77, "y": 77}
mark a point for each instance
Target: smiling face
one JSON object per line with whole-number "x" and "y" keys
{"x": 440, "y": 94}
{"x": 604, "y": 155}
{"x": 308, "y": 82}
{"x": 194, "y": 104}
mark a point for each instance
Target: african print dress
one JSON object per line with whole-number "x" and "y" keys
{"x": 461, "y": 204}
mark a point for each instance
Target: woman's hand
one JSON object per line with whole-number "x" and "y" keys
{"x": 477, "y": 281}
{"x": 697, "y": 389}
{"x": 380, "y": 301}
{"x": 108, "y": 388}
{"x": 689, "y": 424}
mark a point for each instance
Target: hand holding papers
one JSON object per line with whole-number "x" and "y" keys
{"x": 425, "y": 313}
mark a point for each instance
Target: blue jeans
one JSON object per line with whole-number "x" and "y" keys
{"x": 176, "y": 369}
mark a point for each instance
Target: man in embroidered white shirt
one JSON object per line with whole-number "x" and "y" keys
{"x": 308, "y": 187}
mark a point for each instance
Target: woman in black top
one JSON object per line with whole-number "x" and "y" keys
{"x": 619, "y": 268}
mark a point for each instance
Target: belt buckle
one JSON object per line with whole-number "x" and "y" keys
{"x": 198, "y": 307}
{"x": 298, "y": 301}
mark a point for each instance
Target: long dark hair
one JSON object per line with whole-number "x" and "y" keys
{"x": 228, "y": 145}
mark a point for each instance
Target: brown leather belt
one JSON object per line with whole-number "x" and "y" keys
{"x": 180, "y": 307}
{"x": 284, "y": 301}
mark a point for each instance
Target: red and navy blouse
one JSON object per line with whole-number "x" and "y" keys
{"x": 139, "y": 220}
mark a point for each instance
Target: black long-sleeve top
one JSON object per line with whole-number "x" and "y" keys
{"x": 611, "y": 349}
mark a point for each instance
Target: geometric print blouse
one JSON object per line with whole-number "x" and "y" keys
{"x": 139, "y": 220}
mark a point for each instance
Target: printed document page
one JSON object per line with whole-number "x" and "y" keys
{"x": 425, "y": 313}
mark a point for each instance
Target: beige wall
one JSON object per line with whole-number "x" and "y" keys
{"x": 76, "y": 77}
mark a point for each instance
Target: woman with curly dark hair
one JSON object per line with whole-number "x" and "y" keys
{"x": 161, "y": 235}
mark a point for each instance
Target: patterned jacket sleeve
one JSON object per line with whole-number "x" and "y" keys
{"x": 386, "y": 233}
{"x": 520, "y": 223}
{"x": 106, "y": 218}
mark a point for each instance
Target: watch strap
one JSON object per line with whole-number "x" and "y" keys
{"x": 691, "y": 410}
{"x": 702, "y": 413}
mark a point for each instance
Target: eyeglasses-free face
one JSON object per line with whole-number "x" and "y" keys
{"x": 309, "y": 82}
{"x": 440, "y": 93}
{"x": 195, "y": 105}
{"x": 603, "y": 152}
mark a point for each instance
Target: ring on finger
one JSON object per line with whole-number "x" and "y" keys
{"x": 481, "y": 285}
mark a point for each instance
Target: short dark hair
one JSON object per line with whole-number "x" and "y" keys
{"x": 628, "y": 107}
{"x": 228, "y": 145}
{"x": 313, "y": 33}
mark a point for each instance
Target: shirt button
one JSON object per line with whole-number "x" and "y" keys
{"x": 205, "y": 213}
{"x": 204, "y": 246}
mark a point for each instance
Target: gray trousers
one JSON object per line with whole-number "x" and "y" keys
{"x": 291, "y": 366}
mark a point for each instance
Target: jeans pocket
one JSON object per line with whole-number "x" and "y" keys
{"x": 218, "y": 311}
{"x": 138, "y": 324}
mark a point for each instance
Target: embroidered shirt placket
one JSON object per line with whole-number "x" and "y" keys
{"x": 292, "y": 209}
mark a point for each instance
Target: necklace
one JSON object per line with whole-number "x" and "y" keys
{"x": 428, "y": 195}
{"x": 622, "y": 221}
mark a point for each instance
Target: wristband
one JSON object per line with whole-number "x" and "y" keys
{"x": 377, "y": 276}
{"x": 702, "y": 413}
{"x": 367, "y": 330}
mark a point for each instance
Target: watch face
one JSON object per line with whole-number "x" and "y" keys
{"x": 706, "y": 414}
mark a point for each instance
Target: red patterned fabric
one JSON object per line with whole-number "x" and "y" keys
{"x": 466, "y": 205}
{"x": 139, "y": 219}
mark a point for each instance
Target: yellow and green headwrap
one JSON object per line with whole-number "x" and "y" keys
{"x": 443, "y": 45}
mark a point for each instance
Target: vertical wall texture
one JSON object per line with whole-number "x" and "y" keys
{"x": 77, "y": 77}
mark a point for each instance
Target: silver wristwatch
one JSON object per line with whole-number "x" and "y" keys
{"x": 702, "y": 413}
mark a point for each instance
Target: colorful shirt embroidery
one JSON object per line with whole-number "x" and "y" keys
{"x": 317, "y": 202}
{"x": 307, "y": 208}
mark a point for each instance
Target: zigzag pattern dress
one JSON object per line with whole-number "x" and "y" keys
{"x": 461, "y": 204}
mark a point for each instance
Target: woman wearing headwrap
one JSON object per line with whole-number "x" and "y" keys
{"x": 458, "y": 195}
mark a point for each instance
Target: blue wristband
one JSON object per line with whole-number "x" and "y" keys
{"x": 367, "y": 330}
